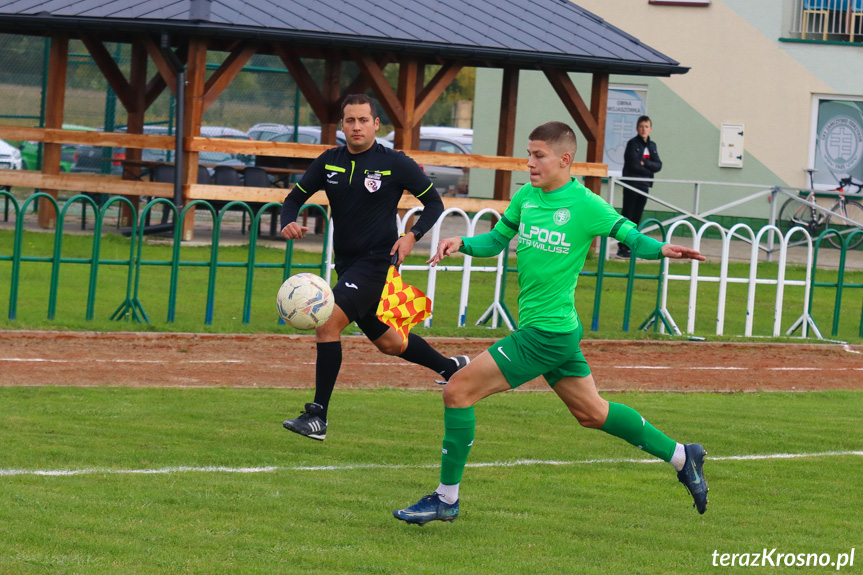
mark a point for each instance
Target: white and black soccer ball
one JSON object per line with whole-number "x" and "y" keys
{"x": 305, "y": 301}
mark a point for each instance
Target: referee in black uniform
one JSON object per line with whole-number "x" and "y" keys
{"x": 364, "y": 181}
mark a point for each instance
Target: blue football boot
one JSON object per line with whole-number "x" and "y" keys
{"x": 429, "y": 508}
{"x": 692, "y": 475}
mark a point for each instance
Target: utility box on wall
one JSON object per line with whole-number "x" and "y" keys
{"x": 731, "y": 146}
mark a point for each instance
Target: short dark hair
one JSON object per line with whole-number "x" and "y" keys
{"x": 555, "y": 134}
{"x": 354, "y": 99}
{"x": 644, "y": 118}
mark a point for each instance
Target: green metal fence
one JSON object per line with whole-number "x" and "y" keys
{"x": 132, "y": 307}
{"x": 136, "y": 267}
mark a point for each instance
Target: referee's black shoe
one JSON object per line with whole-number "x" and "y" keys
{"x": 460, "y": 362}
{"x": 310, "y": 423}
{"x": 692, "y": 475}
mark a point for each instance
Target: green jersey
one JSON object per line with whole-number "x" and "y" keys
{"x": 555, "y": 230}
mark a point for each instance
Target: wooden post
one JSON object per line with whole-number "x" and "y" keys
{"x": 138, "y": 105}
{"x": 225, "y": 74}
{"x": 506, "y": 130}
{"x": 595, "y": 146}
{"x": 196, "y": 77}
{"x": 332, "y": 93}
{"x": 58, "y": 58}
{"x": 387, "y": 98}
{"x": 407, "y": 94}
{"x": 415, "y": 133}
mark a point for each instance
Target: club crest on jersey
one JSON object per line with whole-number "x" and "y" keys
{"x": 373, "y": 181}
{"x": 561, "y": 216}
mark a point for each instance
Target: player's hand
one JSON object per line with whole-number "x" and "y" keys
{"x": 445, "y": 248}
{"x": 294, "y": 231}
{"x": 680, "y": 253}
{"x": 403, "y": 246}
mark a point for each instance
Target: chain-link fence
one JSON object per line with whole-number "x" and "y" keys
{"x": 263, "y": 91}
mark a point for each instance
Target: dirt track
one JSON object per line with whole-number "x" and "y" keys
{"x": 191, "y": 360}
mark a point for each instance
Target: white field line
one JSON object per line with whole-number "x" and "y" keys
{"x": 171, "y": 361}
{"x": 151, "y": 361}
{"x": 733, "y": 368}
{"x": 390, "y": 363}
{"x": 273, "y": 469}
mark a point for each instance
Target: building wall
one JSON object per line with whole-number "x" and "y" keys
{"x": 740, "y": 73}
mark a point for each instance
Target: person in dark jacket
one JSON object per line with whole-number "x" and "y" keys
{"x": 640, "y": 160}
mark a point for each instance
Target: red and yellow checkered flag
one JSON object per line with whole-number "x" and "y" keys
{"x": 402, "y": 306}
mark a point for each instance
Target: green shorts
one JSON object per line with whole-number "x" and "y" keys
{"x": 531, "y": 352}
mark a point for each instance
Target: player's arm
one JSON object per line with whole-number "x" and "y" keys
{"x": 646, "y": 247}
{"x": 310, "y": 183}
{"x": 482, "y": 246}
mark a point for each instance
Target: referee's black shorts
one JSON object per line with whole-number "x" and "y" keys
{"x": 359, "y": 288}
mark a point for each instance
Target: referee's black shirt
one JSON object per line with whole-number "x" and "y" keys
{"x": 364, "y": 191}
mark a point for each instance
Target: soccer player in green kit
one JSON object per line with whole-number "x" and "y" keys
{"x": 555, "y": 219}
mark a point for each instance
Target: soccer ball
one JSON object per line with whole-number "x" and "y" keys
{"x": 305, "y": 301}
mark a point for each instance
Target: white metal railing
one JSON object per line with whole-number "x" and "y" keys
{"x": 496, "y": 311}
{"x": 804, "y": 321}
{"x": 838, "y": 20}
{"x": 773, "y": 198}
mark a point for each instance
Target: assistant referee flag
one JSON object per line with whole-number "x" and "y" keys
{"x": 402, "y": 306}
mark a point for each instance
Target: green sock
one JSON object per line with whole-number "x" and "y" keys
{"x": 459, "y": 424}
{"x": 625, "y": 423}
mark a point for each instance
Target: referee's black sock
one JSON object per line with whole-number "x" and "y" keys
{"x": 327, "y": 367}
{"x": 419, "y": 351}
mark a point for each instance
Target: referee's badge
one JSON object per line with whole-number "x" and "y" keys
{"x": 373, "y": 182}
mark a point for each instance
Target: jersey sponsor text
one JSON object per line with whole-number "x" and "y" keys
{"x": 543, "y": 239}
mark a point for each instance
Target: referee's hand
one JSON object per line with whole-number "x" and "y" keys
{"x": 294, "y": 231}
{"x": 403, "y": 247}
{"x": 445, "y": 248}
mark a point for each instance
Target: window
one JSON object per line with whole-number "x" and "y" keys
{"x": 447, "y": 147}
{"x": 836, "y": 141}
{"x": 625, "y": 104}
{"x": 827, "y": 20}
{"x": 681, "y": 2}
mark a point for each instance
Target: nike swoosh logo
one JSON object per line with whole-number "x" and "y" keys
{"x": 500, "y": 349}
{"x": 350, "y": 285}
{"x": 697, "y": 478}
{"x": 331, "y": 175}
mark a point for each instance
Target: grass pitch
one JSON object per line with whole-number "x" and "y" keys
{"x": 207, "y": 481}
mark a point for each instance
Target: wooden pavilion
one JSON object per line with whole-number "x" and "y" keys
{"x": 554, "y": 36}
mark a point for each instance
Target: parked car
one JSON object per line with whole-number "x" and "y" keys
{"x": 10, "y": 156}
{"x": 30, "y": 150}
{"x": 309, "y": 135}
{"x": 305, "y": 135}
{"x": 89, "y": 158}
{"x": 266, "y": 130}
{"x": 448, "y": 180}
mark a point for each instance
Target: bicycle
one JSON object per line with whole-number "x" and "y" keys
{"x": 814, "y": 220}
